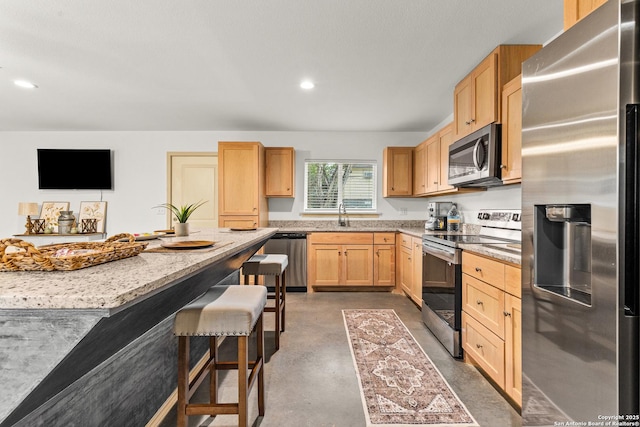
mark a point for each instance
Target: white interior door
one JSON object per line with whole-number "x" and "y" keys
{"x": 194, "y": 177}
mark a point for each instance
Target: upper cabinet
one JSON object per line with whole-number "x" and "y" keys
{"x": 445, "y": 139}
{"x": 477, "y": 98}
{"x": 397, "y": 172}
{"x": 511, "y": 163}
{"x": 575, "y": 10}
{"x": 241, "y": 191}
{"x": 280, "y": 171}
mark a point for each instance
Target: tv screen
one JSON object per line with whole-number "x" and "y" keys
{"x": 66, "y": 169}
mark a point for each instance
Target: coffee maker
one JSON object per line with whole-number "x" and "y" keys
{"x": 437, "y": 215}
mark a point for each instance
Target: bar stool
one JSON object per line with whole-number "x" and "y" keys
{"x": 221, "y": 311}
{"x": 270, "y": 265}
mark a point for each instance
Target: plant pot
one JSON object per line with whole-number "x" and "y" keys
{"x": 181, "y": 228}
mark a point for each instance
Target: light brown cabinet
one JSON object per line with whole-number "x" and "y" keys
{"x": 280, "y": 171}
{"x": 511, "y": 163}
{"x": 409, "y": 274}
{"x": 445, "y": 138}
{"x": 241, "y": 189}
{"x": 575, "y": 10}
{"x": 397, "y": 172}
{"x": 426, "y": 166}
{"x": 384, "y": 261}
{"x": 491, "y": 320}
{"x": 477, "y": 98}
{"x": 340, "y": 259}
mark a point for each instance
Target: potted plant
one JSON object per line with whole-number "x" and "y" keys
{"x": 182, "y": 215}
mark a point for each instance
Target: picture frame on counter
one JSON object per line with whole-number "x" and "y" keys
{"x": 50, "y": 211}
{"x": 94, "y": 211}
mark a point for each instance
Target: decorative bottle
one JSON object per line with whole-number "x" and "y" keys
{"x": 65, "y": 222}
{"x": 453, "y": 219}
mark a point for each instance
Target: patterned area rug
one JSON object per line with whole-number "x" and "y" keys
{"x": 399, "y": 384}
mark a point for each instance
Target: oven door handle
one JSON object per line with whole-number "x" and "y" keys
{"x": 441, "y": 253}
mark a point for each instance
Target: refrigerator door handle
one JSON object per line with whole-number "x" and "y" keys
{"x": 632, "y": 213}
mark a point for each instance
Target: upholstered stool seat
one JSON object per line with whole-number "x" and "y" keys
{"x": 221, "y": 311}
{"x": 271, "y": 265}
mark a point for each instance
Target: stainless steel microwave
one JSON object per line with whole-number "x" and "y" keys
{"x": 474, "y": 161}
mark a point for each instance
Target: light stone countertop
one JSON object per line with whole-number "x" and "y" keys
{"x": 114, "y": 284}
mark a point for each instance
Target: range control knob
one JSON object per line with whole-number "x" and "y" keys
{"x": 486, "y": 216}
{"x": 516, "y": 217}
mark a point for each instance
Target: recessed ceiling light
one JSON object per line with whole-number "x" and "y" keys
{"x": 307, "y": 84}
{"x": 25, "y": 84}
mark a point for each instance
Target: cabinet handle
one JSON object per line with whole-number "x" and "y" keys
{"x": 479, "y": 302}
{"x": 506, "y": 313}
{"x": 478, "y": 345}
{"x": 478, "y": 269}
{"x": 345, "y": 253}
{"x": 378, "y": 253}
{"x": 467, "y": 123}
{"x": 435, "y": 183}
{"x": 255, "y": 209}
{"x": 393, "y": 188}
{"x": 409, "y": 258}
{"x": 503, "y": 166}
{"x": 384, "y": 238}
{"x": 473, "y": 120}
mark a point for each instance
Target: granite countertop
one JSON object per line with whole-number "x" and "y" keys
{"x": 512, "y": 257}
{"x": 113, "y": 284}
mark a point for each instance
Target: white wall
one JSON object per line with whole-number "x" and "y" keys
{"x": 140, "y": 172}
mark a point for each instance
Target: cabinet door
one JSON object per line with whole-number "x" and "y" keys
{"x": 279, "y": 169}
{"x": 512, "y": 132}
{"x": 419, "y": 169}
{"x": 433, "y": 165}
{"x": 397, "y": 171}
{"x": 416, "y": 281}
{"x": 238, "y": 177}
{"x": 235, "y": 221}
{"x": 575, "y": 10}
{"x": 485, "y": 93}
{"x": 513, "y": 347}
{"x": 462, "y": 108}
{"x": 406, "y": 269}
{"x": 384, "y": 265}
{"x": 324, "y": 263}
{"x": 446, "y": 139}
{"x": 358, "y": 265}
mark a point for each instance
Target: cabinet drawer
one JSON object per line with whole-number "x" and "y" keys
{"x": 405, "y": 241}
{"x": 384, "y": 238}
{"x": 341, "y": 238}
{"x": 513, "y": 280}
{"x": 485, "y": 348}
{"x": 485, "y": 303}
{"x": 484, "y": 269}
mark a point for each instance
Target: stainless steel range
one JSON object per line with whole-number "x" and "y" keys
{"x": 442, "y": 271}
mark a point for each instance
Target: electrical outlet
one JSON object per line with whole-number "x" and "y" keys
{"x": 161, "y": 211}
{"x": 403, "y": 211}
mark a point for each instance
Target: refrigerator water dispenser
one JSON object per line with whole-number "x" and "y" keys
{"x": 562, "y": 247}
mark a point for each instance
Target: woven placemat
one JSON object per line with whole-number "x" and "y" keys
{"x": 163, "y": 250}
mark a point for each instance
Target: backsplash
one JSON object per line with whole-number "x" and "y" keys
{"x": 353, "y": 224}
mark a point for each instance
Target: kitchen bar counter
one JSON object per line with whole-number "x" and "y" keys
{"x": 95, "y": 346}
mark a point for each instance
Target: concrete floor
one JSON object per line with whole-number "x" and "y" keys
{"x": 311, "y": 380}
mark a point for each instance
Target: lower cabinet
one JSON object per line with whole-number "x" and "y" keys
{"x": 351, "y": 259}
{"x": 491, "y": 328}
{"x": 409, "y": 274}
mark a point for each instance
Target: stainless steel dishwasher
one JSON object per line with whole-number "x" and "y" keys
{"x": 294, "y": 245}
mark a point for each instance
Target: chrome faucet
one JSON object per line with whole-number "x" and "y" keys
{"x": 342, "y": 222}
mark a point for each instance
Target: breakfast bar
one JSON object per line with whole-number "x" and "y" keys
{"x": 94, "y": 346}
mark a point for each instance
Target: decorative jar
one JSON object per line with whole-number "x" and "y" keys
{"x": 65, "y": 222}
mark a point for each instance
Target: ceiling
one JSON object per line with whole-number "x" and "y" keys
{"x": 196, "y": 65}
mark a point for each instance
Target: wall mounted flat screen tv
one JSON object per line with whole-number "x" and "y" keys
{"x": 72, "y": 169}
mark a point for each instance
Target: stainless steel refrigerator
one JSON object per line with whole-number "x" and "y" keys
{"x": 581, "y": 223}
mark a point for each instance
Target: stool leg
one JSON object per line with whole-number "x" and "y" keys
{"x": 246, "y": 279}
{"x": 243, "y": 362}
{"x": 260, "y": 357}
{"x": 213, "y": 372}
{"x": 183, "y": 380}
{"x": 277, "y": 310}
{"x": 284, "y": 297}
